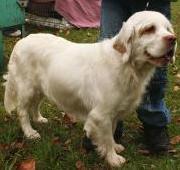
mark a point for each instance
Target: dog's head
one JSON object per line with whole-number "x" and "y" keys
{"x": 146, "y": 36}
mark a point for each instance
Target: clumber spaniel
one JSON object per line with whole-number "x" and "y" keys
{"x": 100, "y": 83}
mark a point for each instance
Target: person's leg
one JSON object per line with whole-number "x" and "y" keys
{"x": 153, "y": 111}
{"x": 113, "y": 14}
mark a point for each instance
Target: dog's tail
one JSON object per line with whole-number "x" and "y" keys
{"x": 10, "y": 96}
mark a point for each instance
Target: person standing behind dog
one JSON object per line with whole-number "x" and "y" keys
{"x": 153, "y": 112}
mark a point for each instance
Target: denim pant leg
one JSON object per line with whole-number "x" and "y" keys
{"x": 113, "y": 14}
{"x": 153, "y": 110}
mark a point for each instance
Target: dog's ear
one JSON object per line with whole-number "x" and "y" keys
{"x": 123, "y": 41}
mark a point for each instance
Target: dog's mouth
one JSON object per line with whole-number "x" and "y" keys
{"x": 160, "y": 60}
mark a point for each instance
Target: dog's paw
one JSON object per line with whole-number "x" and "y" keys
{"x": 41, "y": 120}
{"x": 115, "y": 160}
{"x": 33, "y": 134}
{"x": 118, "y": 148}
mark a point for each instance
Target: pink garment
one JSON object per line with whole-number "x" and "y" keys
{"x": 81, "y": 13}
{"x": 42, "y": 1}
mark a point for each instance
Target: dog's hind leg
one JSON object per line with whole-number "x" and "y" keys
{"x": 37, "y": 117}
{"x": 35, "y": 109}
{"x": 25, "y": 123}
{"x": 10, "y": 96}
{"x": 24, "y": 99}
{"x": 98, "y": 127}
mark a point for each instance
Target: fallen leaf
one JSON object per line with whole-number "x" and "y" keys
{"x": 56, "y": 140}
{"x": 80, "y": 165}
{"x": 4, "y": 146}
{"x": 72, "y": 117}
{"x": 144, "y": 151}
{"x": 67, "y": 142}
{"x": 175, "y": 140}
{"x": 19, "y": 145}
{"x": 176, "y": 88}
{"x": 1, "y": 147}
{"x": 27, "y": 165}
{"x": 12, "y": 146}
{"x": 172, "y": 151}
{"x": 69, "y": 119}
{"x": 176, "y": 119}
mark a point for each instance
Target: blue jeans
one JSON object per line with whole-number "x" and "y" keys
{"x": 153, "y": 110}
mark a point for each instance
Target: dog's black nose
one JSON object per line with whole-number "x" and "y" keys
{"x": 170, "y": 40}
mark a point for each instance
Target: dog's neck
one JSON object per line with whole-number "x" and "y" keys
{"x": 137, "y": 72}
{"x": 141, "y": 69}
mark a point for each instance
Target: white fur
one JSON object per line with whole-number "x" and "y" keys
{"x": 96, "y": 82}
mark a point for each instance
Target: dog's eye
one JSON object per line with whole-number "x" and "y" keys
{"x": 148, "y": 30}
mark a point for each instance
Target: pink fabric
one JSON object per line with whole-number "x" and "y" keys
{"x": 81, "y": 13}
{"x": 42, "y": 1}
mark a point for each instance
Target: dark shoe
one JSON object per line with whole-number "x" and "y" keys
{"x": 87, "y": 144}
{"x": 12, "y": 32}
{"x": 156, "y": 138}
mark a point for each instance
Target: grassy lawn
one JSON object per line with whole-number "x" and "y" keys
{"x": 60, "y": 146}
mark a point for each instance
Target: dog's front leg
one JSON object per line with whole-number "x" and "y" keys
{"x": 118, "y": 147}
{"x": 98, "y": 127}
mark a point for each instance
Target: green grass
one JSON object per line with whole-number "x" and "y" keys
{"x": 63, "y": 156}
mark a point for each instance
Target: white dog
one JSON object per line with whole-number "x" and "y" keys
{"x": 100, "y": 83}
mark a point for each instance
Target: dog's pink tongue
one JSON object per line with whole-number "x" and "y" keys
{"x": 160, "y": 61}
{"x": 163, "y": 61}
